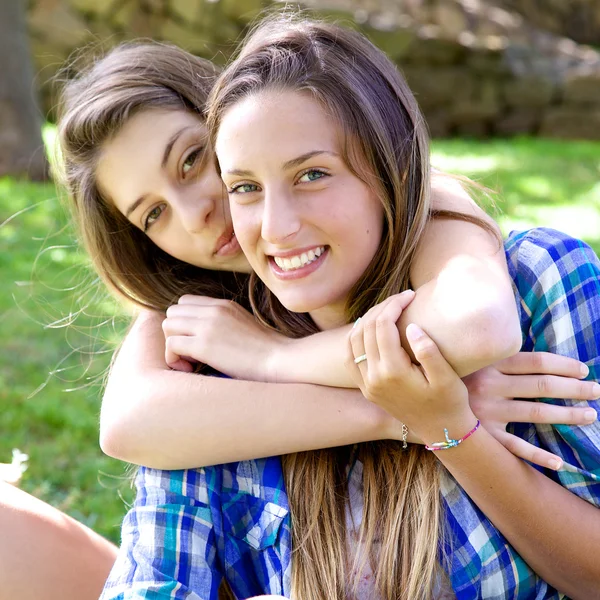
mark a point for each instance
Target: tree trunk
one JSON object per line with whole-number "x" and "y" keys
{"x": 21, "y": 146}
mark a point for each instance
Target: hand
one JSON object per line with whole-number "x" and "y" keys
{"x": 428, "y": 397}
{"x": 219, "y": 333}
{"x": 530, "y": 375}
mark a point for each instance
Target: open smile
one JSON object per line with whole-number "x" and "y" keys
{"x": 297, "y": 264}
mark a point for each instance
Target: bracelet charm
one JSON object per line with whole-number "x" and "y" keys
{"x": 450, "y": 443}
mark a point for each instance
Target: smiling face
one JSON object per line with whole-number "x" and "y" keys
{"x": 308, "y": 226}
{"x": 159, "y": 172}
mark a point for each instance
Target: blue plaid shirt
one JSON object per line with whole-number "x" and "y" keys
{"x": 189, "y": 530}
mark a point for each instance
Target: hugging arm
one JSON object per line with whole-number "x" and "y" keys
{"x": 162, "y": 418}
{"x": 205, "y": 420}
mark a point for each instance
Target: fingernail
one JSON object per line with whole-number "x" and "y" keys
{"x": 407, "y": 292}
{"x": 414, "y": 332}
{"x": 584, "y": 370}
{"x": 596, "y": 390}
{"x": 590, "y": 415}
{"x": 555, "y": 464}
{"x": 356, "y": 322}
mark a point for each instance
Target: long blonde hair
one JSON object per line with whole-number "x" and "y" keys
{"x": 385, "y": 144}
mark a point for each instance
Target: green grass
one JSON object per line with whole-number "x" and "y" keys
{"x": 539, "y": 182}
{"x": 50, "y": 376}
{"x": 45, "y": 279}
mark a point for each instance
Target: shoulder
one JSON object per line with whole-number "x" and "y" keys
{"x": 542, "y": 257}
{"x": 536, "y": 248}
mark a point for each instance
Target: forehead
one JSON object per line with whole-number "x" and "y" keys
{"x": 134, "y": 155}
{"x": 149, "y": 130}
{"x": 282, "y": 124}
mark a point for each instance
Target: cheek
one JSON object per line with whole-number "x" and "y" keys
{"x": 246, "y": 224}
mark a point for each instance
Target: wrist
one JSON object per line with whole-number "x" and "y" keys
{"x": 457, "y": 426}
{"x": 393, "y": 429}
{"x": 279, "y": 360}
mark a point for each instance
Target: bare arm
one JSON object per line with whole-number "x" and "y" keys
{"x": 167, "y": 419}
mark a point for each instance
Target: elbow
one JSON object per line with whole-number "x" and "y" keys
{"x": 115, "y": 440}
{"x": 495, "y": 334}
{"x": 121, "y": 434}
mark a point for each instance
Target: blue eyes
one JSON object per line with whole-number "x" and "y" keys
{"x": 307, "y": 177}
{"x": 243, "y": 188}
{"x": 311, "y": 175}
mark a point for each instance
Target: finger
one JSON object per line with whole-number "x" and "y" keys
{"x": 399, "y": 302}
{"x": 201, "y": 300}
{"x": 434, "y": 365}
{"x": 354, "y": 346}
{"x": 547, "y": 386}
{"x": 389, "y": 342}
{"x": 182, "y": 365}
{"x": 193, "y": 310}
{"x": 519, "y": 447}
{"x": 519, "y": 411}
{"x": 356, "y": 351}
{"x": 179, "y": 326}
{"x": 370, "y": 339}
{"x": 178, "y": 347}
{"x": 526, "y": 363}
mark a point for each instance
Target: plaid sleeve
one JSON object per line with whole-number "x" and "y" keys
{"x": 557, "y": 287}
{"x": 169, "y": 539}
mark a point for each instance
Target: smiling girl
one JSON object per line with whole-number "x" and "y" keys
{"x": 322, "y": 148}
{"x": 149, "y": 98}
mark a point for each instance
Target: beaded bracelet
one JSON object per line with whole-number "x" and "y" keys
{"x": 452, "y": 443}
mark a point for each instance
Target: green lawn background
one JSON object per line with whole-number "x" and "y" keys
{"x": 51, "y": 373}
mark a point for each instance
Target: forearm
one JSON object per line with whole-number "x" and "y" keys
{"x": 173, "y": 420}
{"x": 556, "y": 532}
{"x": 473, "y": 322}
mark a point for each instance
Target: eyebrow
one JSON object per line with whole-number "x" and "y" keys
{"x": 163, "y": 163}
{"x": 294, "y": 162}
{"x": 135, "y": 205}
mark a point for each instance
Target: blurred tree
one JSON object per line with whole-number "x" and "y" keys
{"x": 21, "y": 146}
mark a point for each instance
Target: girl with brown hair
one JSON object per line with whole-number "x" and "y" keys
{"x": 155, "y": 80}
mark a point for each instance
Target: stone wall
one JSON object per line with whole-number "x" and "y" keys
{"x": 578, "y": 20}
{"x": 476, "y": 68}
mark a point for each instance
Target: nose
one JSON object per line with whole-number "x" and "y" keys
{"x": 200, "y": 202}
{"x": 280, "y": 218}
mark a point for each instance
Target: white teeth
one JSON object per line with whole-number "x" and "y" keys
{"x": 300, "y": 260}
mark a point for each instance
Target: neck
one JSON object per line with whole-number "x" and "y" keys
{"x": 329, "y": 317}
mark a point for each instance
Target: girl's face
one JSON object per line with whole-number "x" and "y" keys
{"x": 159, "y": 172}
{"x": 308, "y": 226}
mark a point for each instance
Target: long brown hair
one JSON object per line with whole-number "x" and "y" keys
{"x": 385, "y": 144}
{"x": 93, "y": 108}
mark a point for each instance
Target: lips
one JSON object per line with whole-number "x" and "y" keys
{"x": 227, "y": 244}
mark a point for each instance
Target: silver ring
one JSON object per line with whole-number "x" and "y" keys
{"x": 360, "y": 358}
